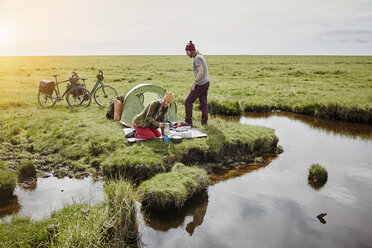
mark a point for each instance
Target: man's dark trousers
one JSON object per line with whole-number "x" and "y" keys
{"x": 201, "y": 92}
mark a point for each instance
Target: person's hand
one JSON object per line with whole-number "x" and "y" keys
{"x": 192, "y": 86}
{"x": 161, "y": 124}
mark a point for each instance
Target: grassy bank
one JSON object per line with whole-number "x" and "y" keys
{"x": 173, "y": 189}
{"x": 225, "y": 140}
{"x": 71, "y": 142}
{"x": 111, "y": 223}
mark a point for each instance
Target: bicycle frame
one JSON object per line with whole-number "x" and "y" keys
{"x": 59, "y": 97}
{"x": 58, "y": 92}
{"x": 95, "y": 87}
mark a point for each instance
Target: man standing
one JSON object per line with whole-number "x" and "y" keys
{"x": 199, "y": 87}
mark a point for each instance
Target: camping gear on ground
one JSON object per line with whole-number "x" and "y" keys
{"x": 186, "y": 134}
{"x": 138, "y": 98}
{"x": 166, "y": 127}
{"x": 131, "y": 134}
{"x": 183, "y": 128}
{"x": 166, "y": 138}
{"x": 183, "y": 124}
{"x": 117, "y": 109}
{"x": 111, "y": 108}
{"x": 192, "y": 133}
{"x": 176, "y": 139}
{"x": 46, "y": 86}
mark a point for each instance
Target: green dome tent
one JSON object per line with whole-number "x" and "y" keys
{"x": 138, "y": 98}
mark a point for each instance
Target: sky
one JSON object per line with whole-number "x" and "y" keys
{"x": 164, "y": 27}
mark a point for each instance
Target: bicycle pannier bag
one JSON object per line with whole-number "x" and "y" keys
{"x": 46, "y": 86}
{"x": 77, "y": 92}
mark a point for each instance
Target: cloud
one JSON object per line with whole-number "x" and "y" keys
{"x": 362, "y": 41}
{"x": 345, "y": 32}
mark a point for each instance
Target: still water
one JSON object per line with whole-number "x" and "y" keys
{"x": 49, "y": 194}
{"x": 273, "y": 205}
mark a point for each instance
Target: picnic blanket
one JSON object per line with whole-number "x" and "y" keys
{"x": 184, "y": 132}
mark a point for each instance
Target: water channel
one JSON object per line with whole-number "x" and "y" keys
{"x": 261, "y": 205}
{"x": 273, "y": 205}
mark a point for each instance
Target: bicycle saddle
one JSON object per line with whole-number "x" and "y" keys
{"x": 55, "y": 75}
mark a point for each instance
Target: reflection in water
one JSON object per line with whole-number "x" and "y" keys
{"x": 316, "y": 185}
{"x": 48, "y": 194}
{"x": 335, "y": 127}
{"x": 273, "y": 206}
{"x": 165, "y": 220}
{"x": 9, "y": 207}
{"x": 239, "y": 171}
{"x": 30, "y": 186}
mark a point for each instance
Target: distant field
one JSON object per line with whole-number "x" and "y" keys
{"x": 251, "y": 80}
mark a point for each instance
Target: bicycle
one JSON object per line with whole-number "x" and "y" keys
{"x": 102, "y": 94}
{"x": 76, "y": 94}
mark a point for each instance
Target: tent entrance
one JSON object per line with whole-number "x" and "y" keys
{"x": 138, "y": 98}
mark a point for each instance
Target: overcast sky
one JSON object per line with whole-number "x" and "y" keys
{"x": 113, "y": 27}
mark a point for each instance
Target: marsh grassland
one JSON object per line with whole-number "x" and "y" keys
{"x": 78, "y": 142}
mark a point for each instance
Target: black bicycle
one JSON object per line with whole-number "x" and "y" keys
{"x": 102, "y": 94}
{"x": 76, "y": 94}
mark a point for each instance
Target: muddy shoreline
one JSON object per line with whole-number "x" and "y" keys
{"x": 230, "y": 155}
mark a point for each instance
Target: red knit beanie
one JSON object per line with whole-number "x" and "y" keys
{"x": 190, "y": 46}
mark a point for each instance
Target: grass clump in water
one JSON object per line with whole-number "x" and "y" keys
{"x": 318, "y": 176}
{"x": 7, "y": 182}
{"x": 121, "y": 206}
{"x": 27, "y": 170}
{"x": 173, "y": 189}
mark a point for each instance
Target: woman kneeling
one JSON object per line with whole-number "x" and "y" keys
{"x": 152, "y": 117}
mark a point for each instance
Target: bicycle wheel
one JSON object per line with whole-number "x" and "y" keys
{"x": 103, "y": 96}
{"x": 78, "y": 97}
{"x": 47, "y": 100}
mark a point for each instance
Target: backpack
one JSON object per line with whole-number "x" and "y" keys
{"x": 110, "y": 110}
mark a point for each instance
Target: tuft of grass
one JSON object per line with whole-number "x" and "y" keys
{"x": 26, "y": 170}
{"x": 23, "y": 232}
{"x": 121, "y": 204}
{"x": 317, "y": 174}
{"x": 79, "y": 225}
{"x": 8, "y": 181}
{"x": 173, "y": 189}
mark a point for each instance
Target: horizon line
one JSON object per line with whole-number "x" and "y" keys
{"x": 97, "y": 55}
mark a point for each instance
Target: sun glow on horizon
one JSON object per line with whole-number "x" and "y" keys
{"x": 4, "y": 35}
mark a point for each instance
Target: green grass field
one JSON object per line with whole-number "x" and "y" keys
{"x": 251, "y": 80}
{"x": 83, "y": 140}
